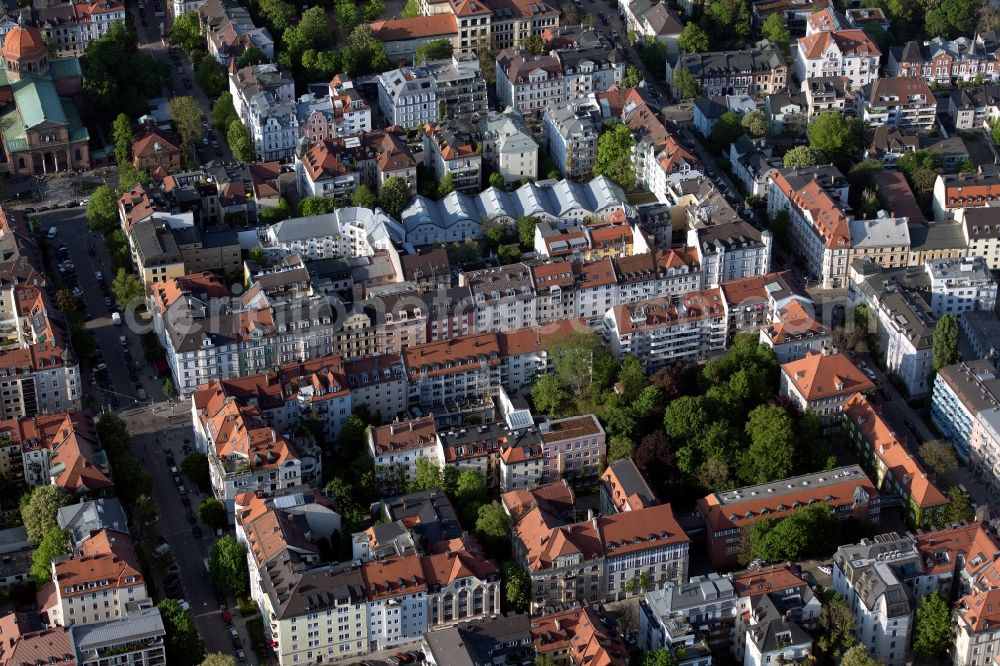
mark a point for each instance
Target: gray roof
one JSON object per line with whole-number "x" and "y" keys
{"x": 297, "y": 592}
{"x": 549, "y": 200}
{"x": 437, "y": 518}
{"x": 975, "y": 383}
{"x": 678, "y": 600}
{"x": 883, "y": 231}
{"x": 764, "y": 57}
{"x": 876, "y": 568}
{"x": 982, "y": 329}
{"x": 729, "y": 236}
{"x": 477, "y": 643}
{"x": 144, "y": 623}
{"x": 332, "y": 224}
{"x": 155, "y": 242}
{"x": 632, "y": 481}
{"x": 85, "y": 517}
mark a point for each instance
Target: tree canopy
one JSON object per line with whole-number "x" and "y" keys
{"x": 316, "y": 206}
{"x": 945, "y": 343}
{"x": 219, "y": 659}
{"x": 122, "y": 135}
{"x": 812, "y": 531}
{"x": 730, "y": 18}
{"x": 393, "y": 195}
{"x": 438, "y": 49}
{"x": 516, "y": 587}
{"x": 632, "y": 78}
{"x": 213, "y": 513}
{"x": 932, "y": 633}
{"x": 727, "y": 129}
{"x": 39, "y": 508}
{"x": 755, "y": 122}
{"x": 185, "y": 32}
{"x": 775, "y": 29}
{"x": 858, "y": 656}
{"x": 126, "y": 288}
{"x": 836, "y": 137}
{"x": 835, "y": 630}
{"x": 227, "y": 565}
{"x": 801, "y": 157}
{"x": 684, "y": 85}
{"x": 117, "y": 76}
{"x": 364, "y": 197}
{"x": 54, "y": 543}
{"x": 184, "y": 646}
{"x": 693, "y": 39}
{"x": 240, "y": 142}
{"x": 614, "y": 156}
{"x": 102, "y": 210}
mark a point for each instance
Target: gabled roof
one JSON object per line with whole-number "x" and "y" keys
{"x": 819, "y": 376}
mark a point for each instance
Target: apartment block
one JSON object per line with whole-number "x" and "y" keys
{"x": 730, "y": 515}
{"x": 943, "y": 60}
{"x": 907, "y": 104}
{"x": 847, "y": 53}
{"x": 760, "y": 70}
{"x": 960, "y": 394}
{"x": 775, "y": 612}
{"x": 823, "y": 383}
{"x": 624, "y": 488}
{"x": 432, "y": 91}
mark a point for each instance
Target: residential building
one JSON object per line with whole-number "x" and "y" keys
{"x": 396, "y": 448}
{"x": 28, "y": 640}
{"x": 760, "y": 70}
{"x": 775, "y": 611}
{"x": 229, "y": 30}
{"x": 941, "y": 60}
{"x": 450, "y": 378}
{"x": 888, "y": 144}
{"x": 433, "y": 91}
{"x": 334, "y": 168}
{"x": 479, "y": 642}
{"x": 504, "y": 297}
{"x": 667, "y": 330}
{"x": 953, "y": 192}
{"x": 830, "y": 53}
{"x": 380, "y": 384}
{"x": 827, "y": 93}
{"x": 905, "y": 320}
{"x": 508, "y": 146}
{"x": 332, "y": 110}
{"x": 971, "y": 108}
{"x": 653, "y": 20}
{"x": 981, "y": 330}
{"x": 596, "y": 559}
{"x": 823, "y": 383}
{"x": 346, "y": 232}
{"x": 70, "y": 27}
{"x": 104, "y": 568}
{"x": 980, "y": 233}
{"x": 139, "y": 638}
{"x": 793, "y": 332}
{"x": 730, "y": 251}
{"x": 452, "y": 148}
{"x": 875, "y": 579}
{"x": 961, "y": 285}
{"x": 264, "y": 99}
{"x": 81, "y": 519}
{"x": 580, "y": 635}
{"x": 891, "y": 465}
{"x": 701, "y": 608}
{"x": 623, "y": 488}
{"x": 961, "y": 393}
{"x": 907, "y": 104}
{"x": 730, "y": 515}
{"x": 572, "y": 447}
{"x": 571, "y": 132}
{"x": 156, "y": 149}
{"x": 154, "y": 251}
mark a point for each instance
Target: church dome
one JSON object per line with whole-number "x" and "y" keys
{"x": 24, "y": 43}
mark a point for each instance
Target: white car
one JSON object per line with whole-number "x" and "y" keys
{"x": 825, "y": 569}
{"x": 185, "y": 606}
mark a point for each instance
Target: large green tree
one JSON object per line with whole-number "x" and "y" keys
{"x": 493, "y": 526}
{"x": 693, "y": 39}
{"x": 858, "y": 656}
{"x": 684, "y": 85}
{"x": 213, "y": 513}
{"x": 126, "y": 288}
{"x": 393, "y": 195}
{"x": 227, "y": 565}
{"x": 39, "y": 508}
{"x": 195, "y": 467}
{"x": 122, "y": 134}
{"x": 801, "y": 157}
{"x": 614, "y": 156}
{"x": 730, "y": 17}
{"x": 835, "y": 136}
{"x": 755, "y": 123}
{"x": 364, "y": 197}
{"x": 223, "y": 112}
{"x": 516, "y": 587}
{"x": 951, "y": 18}
{"x": 426, "y": 477}
{"x": 211, "y": 76}
{"x": 185, "y": 32}
{"x": 775, "y": 29}
{"x": 219, "y": 659}
{"x": 727, "y": 129}
{"x": 102, "y": 210}
{"x": 240, "y": 142}
{"x": 835, "y": 629}
{"x": 54, "y": 544}
{"x": 811, "y": 531}
{"x": 117, "y": 76}
{"x": 186, "y": 113}
{"x": 772, "y": 444}
{"x": 932, "y": 634}
{"x": 183, "y": 642}
{"x": 632, "y": 78}
{"x": 945, "y": 343}
{"x": 251, "y": 56}
{"x": 439, "y": 49}
{"x": 316, "y": 206}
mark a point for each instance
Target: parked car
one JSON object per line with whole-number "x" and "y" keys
{"x": 241, "y": 656}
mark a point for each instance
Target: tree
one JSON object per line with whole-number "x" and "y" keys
{"x": 811, "y": 531}
{"x": 755, "y": 122}
{"x": 374, "y": 8}
{"x": 168, "y": 388}
{"x": 258, "y": 256}
{"x": 117, "y": 76}
{"x": 727, "y": 129}
{"x": 775, "y": 30}
{"x": 213, "y": 514}
{"x": 195, "y": 467}
{"x": 223, "y": 112}
{"x": 951, "y": 18}
{"x": 693, "y": 39}
{"x": 632, "y": 376}
{"x": 126, "y": 288}
{"x": 393, "y": 196}
{"x": 240, "y": 142}
{"x": 411, "y": 9}
{"x": 322, "y": 64}
{"x": 549, "y": 396}
{"x": 251, "y": 56}
{"x": 276, "y": 214}
{"x": 471, "y": 488}
{"x": 143, "y": 512}
{"x": 211, "y": 76}
{"x": 858, "y": 656}
{"x": 67, "y": 302}
{"x": 38, "y": 510}
{"x": 364, "y": 53}
{"x": 516, "y": 587}
{"x": 932, "y": 634}
{"x": 219, "y": 659}
{"x": 184, "y": 646}
{"x": 835, "y": 136}
{"x": 364, "y": 197}
{"x": 835, "y": 629}
{"x": 659, "y": 657}
{"x": 939, "y": 456}
{"x": 633, "y": 77}
{"x": 102, "y": 210}
{"x": 427, "y": 476}
{"x": 129, "y": 177}
{"x": 545, "y": 660}
{"x": 112, "y": 431}
{"x": 614, "y": 156}
{"x": 772, "y": 444}
{"x": 186, "y": 113}
{"x": 122, "y": 134}
{"x": 316, "y": 206}
{"x": 227, "y": 565}
{"x": 620, "y": 447}
{"x": 497, "y": 181}
{"x": 314, "y": 29}
{"x": 684, "y": 85}
{"x": 945, "y": 343}
{"x": 278, "y": 13}
{"x": 801, "y": 157}
{"x": 446, "y": 186}
{"x": 348, "y": 14}
{"x": 437, "y": 49}
{"x": 185, "y": 33}
{"x": 526, "y": 231}
{"x": 492, "y": 526}
{"x": 731, "y": 17}
{"x": 958, "y": 509}
{"x": 131, "y": 479}
{"x": 54, "y": 544}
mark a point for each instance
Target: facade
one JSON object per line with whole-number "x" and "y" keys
{"x": 264, "y": 99}
{"x": 701, "y": 608}
{"x": 731, "y": 251}
{"x": 228, "y": 29}
{"x": 335, "y": 168}
{"x": 793, "y": 333}
{"x": 961, "y": 285}
{"x": 960, "y": 394}
{"x": 572, "y": 447}
{"x": 346, "y": 232}
{"x": 834, "y": 53}
{"x": 433, "y": 91}
{"x": 970, "y": 108}
{"x": 823, "y": 383}
{"x": 581, "y": 634}
{"x": 509, "y": 146}
{"x": 139, "y": 639}
{"x": 942, "y": 61}
{"x": 402, "y": 37}
{"x": 953, "y": 192}
{"x": 907, "y": 104}
{"x": 775, "y": 611}
{"x": 71, "y": 27}
{"x": 571, "y": 132}
{"x": 452, "y": 148}
{"x": 730, "y": 515}
{"x": 395, "y": 449}
{"x": 872, "y": 577}
{"x": 623, "y": 488}
{"x": 760, "y": 70}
